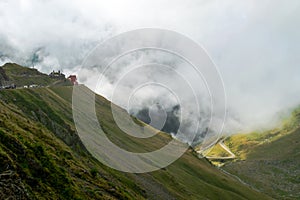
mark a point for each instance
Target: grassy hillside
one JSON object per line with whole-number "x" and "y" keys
{"x": 49, "y": 167}
{"x": 41, "y": 156}
{"x": 270, "y": 161}
{"x": 21, "y": 76}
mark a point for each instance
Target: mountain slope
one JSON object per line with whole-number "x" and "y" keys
{"x": 47, "y": 166}
{"x": 41, "y": 151}
{"x": 23, "y": 76}
{"x": 270, "y": 160}
{"x": 3, "y": 76}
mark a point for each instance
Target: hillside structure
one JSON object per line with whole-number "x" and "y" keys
{"x": 73, "y": 79}
{"x": 57, "y": 75}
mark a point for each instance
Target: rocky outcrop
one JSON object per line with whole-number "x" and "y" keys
{"x": 11, "y": 187}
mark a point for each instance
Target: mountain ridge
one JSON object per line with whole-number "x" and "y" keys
{"x": 41, "y": 150}
{"x": 12, "y": 73}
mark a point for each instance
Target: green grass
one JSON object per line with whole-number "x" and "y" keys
{"x": 49, "y": 167}
{"x": 38, "y": 140}
{"x": 270, "y": 160}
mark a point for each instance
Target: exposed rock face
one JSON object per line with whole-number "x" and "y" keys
{"x": 11, "y": 187}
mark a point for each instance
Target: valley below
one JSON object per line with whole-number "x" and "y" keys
{"x": 267, "y": 161}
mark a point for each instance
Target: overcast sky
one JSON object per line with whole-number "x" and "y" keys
{"x": 255, "y": 44}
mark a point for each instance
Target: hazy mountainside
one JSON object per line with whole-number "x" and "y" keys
{"x": 42, "y": 157}
{"x": 12, "y": 73}
{"x": 3, "y": 76}
{"x": 270, "y": 161}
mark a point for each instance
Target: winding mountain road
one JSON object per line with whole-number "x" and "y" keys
{"x": 232, "y": 155}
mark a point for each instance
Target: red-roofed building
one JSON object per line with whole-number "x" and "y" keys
{"x": 73, "y": 79}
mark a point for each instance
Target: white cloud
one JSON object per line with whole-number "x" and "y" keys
{"x": 255, "y": 44}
